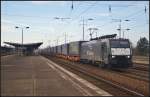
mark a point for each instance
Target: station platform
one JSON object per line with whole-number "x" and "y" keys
{"x": 38, "y": 76}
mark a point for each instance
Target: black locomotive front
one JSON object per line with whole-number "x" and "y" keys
{"x": 121, "y": 53}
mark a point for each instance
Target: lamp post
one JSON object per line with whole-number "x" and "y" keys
{"x": 119, "y": 29}
{"x": 62, "y": 18}
{"x": 89, "y": 19}
{"x": 57, "y": 18}
{"x": 126, "y": 30}
{"x": 17, "y": 27}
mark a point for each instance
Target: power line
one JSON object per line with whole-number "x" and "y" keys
{"x": 141, "y": 25}
{"x": 83, "y": 12}
{"x": 75, "y": 18}
{"x": 110, "y": 10}
{"x": 71, "y": 11}
{"x": 43, "y": 17}
{"x": 122, "y": 4}
{"x": 131, "y": 15}
{"x": 24, "y": 21}
{"x": 87, "y": 9}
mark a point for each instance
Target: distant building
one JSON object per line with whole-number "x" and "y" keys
{"x": 6, "y": 50}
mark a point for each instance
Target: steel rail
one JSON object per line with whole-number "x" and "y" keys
{"x": 102, "y": 79}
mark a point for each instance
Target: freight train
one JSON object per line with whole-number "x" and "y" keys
{"x": 105, "y": 51}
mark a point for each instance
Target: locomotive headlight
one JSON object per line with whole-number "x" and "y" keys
{"x": 113, "y": 56}
{"x": 128, "y": 56}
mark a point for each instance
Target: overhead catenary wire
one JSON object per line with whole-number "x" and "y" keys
{"x": 110, "y": 13}
{"x": 131, "y": 15}
{"x": 140, "y": 25}
{"x": 93, "y": 4}
{"x": 79, "y": 15}
{"x": 120, "y": 4}
{"x": 100, "y": 26}
{"x": 72, "y": 0}
{"x": 41, "y": 17}
{"x": 146, "y": 18}
{"x": 74, "y": 8}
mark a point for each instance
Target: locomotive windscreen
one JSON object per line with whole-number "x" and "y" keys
{"x": 119, "y": 44}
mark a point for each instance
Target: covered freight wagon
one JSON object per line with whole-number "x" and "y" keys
{"x": 65, "y": 50}
{"x": 52, "y": 49}
{"x": 59, "y": 49}
{"x": 55, "y": 49}
{"x": 74, "y": 50}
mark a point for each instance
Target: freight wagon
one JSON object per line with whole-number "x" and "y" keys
{"x": 59, "y": 51}
{"x": 105, "y": 51}
{"x": 74, "y": 50}
{"x": 65, "y": 50}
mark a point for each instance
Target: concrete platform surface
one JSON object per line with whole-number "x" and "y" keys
{"x": 37, "y": 76}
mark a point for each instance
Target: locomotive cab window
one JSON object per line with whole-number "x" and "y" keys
{"x": 119, "y": 44}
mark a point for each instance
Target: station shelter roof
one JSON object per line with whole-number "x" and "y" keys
{"x": 29, "y": 45}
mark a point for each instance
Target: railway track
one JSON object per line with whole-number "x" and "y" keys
{"x": 141, "y": 67}
{"x": 132, "y": 72}
{"x": 115, "y": 86}
{"x": 136, "y": 74}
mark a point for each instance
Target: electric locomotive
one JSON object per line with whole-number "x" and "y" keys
{"x": 107, "y": 51}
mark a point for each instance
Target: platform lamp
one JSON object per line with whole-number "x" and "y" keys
{"x": 22, "y": 34}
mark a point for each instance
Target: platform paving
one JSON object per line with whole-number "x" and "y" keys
{"x": 33, "y": 76}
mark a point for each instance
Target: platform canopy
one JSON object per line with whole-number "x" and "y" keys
{"x": 29, "y": 45}
{"x": 26, "y": 48}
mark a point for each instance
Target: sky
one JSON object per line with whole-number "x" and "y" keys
{"x": 43, "y": 27}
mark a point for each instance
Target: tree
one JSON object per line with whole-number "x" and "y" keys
{"x": 142, "y": 46}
